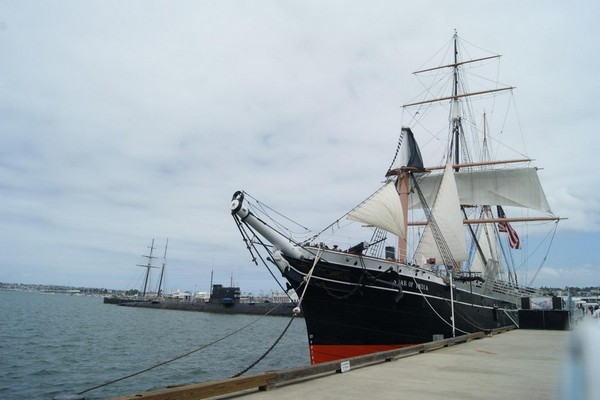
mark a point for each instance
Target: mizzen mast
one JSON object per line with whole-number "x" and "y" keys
{"x": 162, "y": 271}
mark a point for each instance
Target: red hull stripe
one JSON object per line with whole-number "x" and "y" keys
{"x": 320, "y": 353}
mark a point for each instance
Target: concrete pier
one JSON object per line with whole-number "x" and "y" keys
{"x": 508, "y": 364}
{"x": 520, "y": 364}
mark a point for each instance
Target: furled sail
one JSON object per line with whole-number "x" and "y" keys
{"x": 383, "y": 210}
{"x": 411, "y": 153}
{"x": 517, "y": 187}
{"x": 447, "y": 214}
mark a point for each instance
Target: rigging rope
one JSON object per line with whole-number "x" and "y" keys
{"x": 545, "y": 255}
{"x": 307, "y": 279}
{"x": 400, "y": 138}
{"x": 442, "y": 246}
{"x": 262, "y": 205}
{"x": 250, "y": 245}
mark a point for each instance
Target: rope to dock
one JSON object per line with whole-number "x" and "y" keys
{"x": 189, "y": 353}
{"x": 242, "y": 372}
{"x": 433, "y": 309}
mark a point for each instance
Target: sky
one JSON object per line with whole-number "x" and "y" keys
{"x": 127, "y": 121}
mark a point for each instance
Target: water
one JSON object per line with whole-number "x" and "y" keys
{"x": 60, "y": 344}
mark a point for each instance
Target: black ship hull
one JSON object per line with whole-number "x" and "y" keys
{"x": 352, "y": 310}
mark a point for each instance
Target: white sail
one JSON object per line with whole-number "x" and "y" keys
{"x": 382, "y": 210}
{"x": 517, "y": 187}
{"x": 447, "y": 214}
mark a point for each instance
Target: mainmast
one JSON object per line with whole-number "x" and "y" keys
{"x": 148, "y": 265}
{"x": 467, "y": 186}
{"x": 455, "y": 133}
{"x": 456, "y": 96}
{"x": 456, "y": 123}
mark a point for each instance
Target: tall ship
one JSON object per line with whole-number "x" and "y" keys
{"x": 437, "y": 247}
{"x": 144, "y": 295}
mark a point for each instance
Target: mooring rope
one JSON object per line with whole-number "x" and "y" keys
{"x": 185, "y": 354}
{"x": 266, "y": 352}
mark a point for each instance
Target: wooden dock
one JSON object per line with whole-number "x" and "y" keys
{"x": 504, "y": 365}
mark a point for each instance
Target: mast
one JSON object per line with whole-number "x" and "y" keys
{"x": 162, "y": 271}
{"x": 472, "y": 181}
{"x": 414, "y": 163}
{"x": 456, "y": 128}
{"x": 148, "y": 265}
{"x": 455, "y": 105}
{"x": 403, "y": 186}
{"x": 485, "y": 146}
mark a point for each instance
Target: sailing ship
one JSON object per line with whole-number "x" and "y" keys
{"x": 145, "y": 295}
{"x": 450, "y": 277}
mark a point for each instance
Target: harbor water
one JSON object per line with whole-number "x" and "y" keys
{"x": 58, "y": 344}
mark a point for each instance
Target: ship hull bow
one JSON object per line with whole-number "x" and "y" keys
{"x": 352, "y": 311}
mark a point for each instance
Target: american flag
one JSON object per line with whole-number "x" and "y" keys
{"x": 513, "y": 238}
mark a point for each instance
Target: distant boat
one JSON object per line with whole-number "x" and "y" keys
{"x": 145, "y": 294}
{"x": 366, "y": 298}
{"x": 223, "y": 300}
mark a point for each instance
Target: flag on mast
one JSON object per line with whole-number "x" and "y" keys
{"x": 513, "y": 238}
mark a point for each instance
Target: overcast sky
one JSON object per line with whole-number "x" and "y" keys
{"x": 124, "y": 121}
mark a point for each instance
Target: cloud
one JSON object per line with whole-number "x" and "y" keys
{"x": 127, "y": 121}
